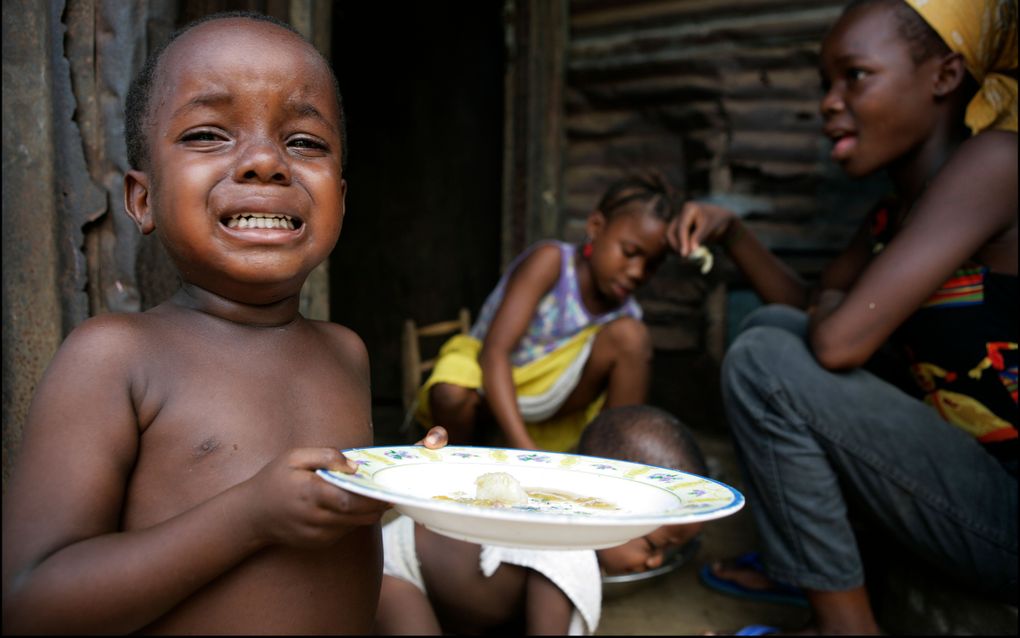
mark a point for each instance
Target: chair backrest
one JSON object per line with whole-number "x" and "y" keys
{"x": 413, "y": 366}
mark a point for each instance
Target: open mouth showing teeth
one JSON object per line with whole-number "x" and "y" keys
{"x": 262, "y": 220}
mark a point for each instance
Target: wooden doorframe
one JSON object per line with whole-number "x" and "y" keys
{"x": 537, "y": 33}
{"x": 314, "y": 20}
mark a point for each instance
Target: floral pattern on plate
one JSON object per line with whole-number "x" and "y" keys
{"x": 643, "y": 496}
{"x": 694, "y": 493}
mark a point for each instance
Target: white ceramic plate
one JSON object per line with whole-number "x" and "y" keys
{"x": 646, "y": 497}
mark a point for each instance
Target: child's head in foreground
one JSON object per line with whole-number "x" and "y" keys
{"x": 235, "y": 134}
{"x": 649, "y": 435}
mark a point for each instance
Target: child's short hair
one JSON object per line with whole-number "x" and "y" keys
{"x": 643, "y": 434}
{"x": 650, "y": 186}
{"x": 136, "y": 107}
{"x": 925, "y": 42}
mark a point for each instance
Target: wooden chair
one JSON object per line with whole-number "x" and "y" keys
{"x": 413, "y": 366}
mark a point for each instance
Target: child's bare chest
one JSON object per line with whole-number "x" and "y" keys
{"x": 213, "y": 416}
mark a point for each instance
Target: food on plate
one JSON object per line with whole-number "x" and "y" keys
{"x": 501, "y": 490}
{"x": 559, "y": 496}
{"x": 500, "y": 487}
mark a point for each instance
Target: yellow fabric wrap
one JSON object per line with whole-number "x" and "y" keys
{"x": 458, "y": 364}
{"x": 984, "y": 33}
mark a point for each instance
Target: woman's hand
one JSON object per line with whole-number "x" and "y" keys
{"x": 696, "y": 224}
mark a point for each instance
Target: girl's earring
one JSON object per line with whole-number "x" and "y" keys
{"x": 587, "y": 249}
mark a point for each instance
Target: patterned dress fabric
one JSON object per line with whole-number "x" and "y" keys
{"x": 962, "y": 348}
{"x": 560, "y": 315}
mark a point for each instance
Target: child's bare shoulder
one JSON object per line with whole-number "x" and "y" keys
{"x": 984, "y": 165}
{"x": 546, "y": 251}
{"x": 996, "y": 147}
{"x": 983, "y": 173}
{"x": 343, "y": 342}
{"x": 110, "y": 336}
{"x": 543, "y": 262}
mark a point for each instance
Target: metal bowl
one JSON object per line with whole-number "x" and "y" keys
{"x": 623, "y": 584}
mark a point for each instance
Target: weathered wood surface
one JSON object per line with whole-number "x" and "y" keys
{"x": 721, "y": 96}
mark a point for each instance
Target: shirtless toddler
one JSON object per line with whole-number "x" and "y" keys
{"x": 166, "y": 479}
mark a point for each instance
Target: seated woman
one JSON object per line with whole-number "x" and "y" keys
{"x": 925, "y": 90}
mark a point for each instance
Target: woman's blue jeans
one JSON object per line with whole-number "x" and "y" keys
{"x": 809, "y": 441}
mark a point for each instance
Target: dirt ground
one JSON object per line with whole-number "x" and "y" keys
{"x": 679, "y": 604}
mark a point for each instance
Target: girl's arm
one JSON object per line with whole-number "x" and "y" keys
{"x": 968, "y": 211}
{"x": 534, "y": 277}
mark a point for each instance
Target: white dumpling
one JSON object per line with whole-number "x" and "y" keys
{"x": 500, "y": 487}
{"x": 703, "y": 257}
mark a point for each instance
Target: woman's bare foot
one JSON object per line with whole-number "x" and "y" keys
{"x": 762, "y": 630}
{"x": 744, "y": 577}
{"x": 843, "y": 612}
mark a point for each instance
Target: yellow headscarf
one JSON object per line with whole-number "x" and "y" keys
{"x": 984, "y": 33}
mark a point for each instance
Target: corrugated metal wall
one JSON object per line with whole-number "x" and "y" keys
{"x": 722, "y": 97}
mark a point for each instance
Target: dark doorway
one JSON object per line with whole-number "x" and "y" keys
{"x": 423, "y": 91}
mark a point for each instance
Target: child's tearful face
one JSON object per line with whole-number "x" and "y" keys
{"x": 246, "y": 188}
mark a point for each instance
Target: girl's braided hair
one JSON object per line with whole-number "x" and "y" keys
{"x": 649, "y": 186}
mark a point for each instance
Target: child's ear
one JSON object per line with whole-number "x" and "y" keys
{"x": 596, "y": 224}
{"x": 136, "y": 200}
{"x": 950, "y": 75}
{"x": 343, "y": 200}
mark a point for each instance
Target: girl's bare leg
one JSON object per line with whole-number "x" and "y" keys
{"x": 620, "y": 364}
{"x": 404, "y": 611}
{"x": 456, "y": 409}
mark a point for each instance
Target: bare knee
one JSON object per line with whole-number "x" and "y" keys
{"x": 447, "y": 396}
{"x": 404, "y": 610}
{"x": 455, "y": 408}
{"x": 628, "y": 337}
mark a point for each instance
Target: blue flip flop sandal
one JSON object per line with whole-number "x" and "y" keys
{"x": 781, "y": 594}
{"x": 756, "y": 630}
